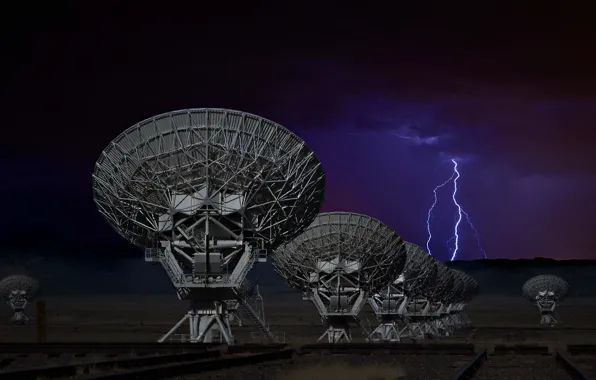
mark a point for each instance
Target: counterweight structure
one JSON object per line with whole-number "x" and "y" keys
{"x": 208, "y": 192}
{"x": 337, "y": 262}
{"x": 17, "y": 291}
{"x": 546, "y": 292}
{"x": 394, "y": 303}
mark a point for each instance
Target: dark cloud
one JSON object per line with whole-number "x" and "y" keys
{"x": 524, "y": 126}
{"x": 384, "y": 98}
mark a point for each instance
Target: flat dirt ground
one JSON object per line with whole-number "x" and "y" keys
{"x": 497, "y": 320}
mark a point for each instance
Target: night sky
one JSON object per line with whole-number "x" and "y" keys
{"x": 385, "y": 97}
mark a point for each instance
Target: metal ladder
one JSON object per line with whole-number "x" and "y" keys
{"x": 255, "y": 318}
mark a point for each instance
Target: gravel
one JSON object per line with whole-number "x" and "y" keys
{"x": 345, "y": 367}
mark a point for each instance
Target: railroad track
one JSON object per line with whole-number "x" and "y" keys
{"x": 579, "y": 360}
{"x": 151, "y": 367}
{"x": 449, "y": 361}
{"x": 529, "y": 362}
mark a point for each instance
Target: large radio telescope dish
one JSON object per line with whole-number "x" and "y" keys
{"x": 442, "y": 287}
{"x": 19, "y": 282}
{"x": 337, "y": 262}
{"x": 17, "y": 290}
{"x": 420, "y": 271}
{"x": 259, "y": 179}
{"x": 546, "y": 291}
{"x": 545, "y": 283}
{"x": 208, "y": 192}
{"x": 353, "y": 241}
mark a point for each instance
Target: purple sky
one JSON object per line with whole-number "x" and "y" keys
{"x": 511, "y": 95}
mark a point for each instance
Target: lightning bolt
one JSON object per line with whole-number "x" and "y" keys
{"x": 460, "y": 214}
{"x": 459, "y": 211}
{"x": 430, "y": 212}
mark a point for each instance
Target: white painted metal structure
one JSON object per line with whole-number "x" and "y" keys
{"x": 246, "y": 290}
{"x": 546, "y": 292}
{"x": 337, "y": 262}
{"x": 208, "y": 192}
{"x": 393, "y": 303}
{"x": 457, "y": 316}
{"x": 17, "y": 290}
{"x": 436, "y": 306}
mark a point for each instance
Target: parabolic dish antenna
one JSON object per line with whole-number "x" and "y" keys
{"x": 211, "y": 190}
{"x": 546, "y": 292}
{"x": 463, "y": 291}
{"x": 443, "y": 284}
{"x": 337, "y": 261}
{"x": 545, "y": 283}
{"x": 256, "y": 177}
{"x": 17, "y": 290}
{"x": 391, "y": 303}
{"x": 420, "y": 271}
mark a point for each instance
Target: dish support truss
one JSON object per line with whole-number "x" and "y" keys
{"x": 17, "y": 300}
{"x": 412, "y": 318}
{"x": 389, "y": 307}
{"x": 338, "y": 299}
{"x": 546, "y": 302}
{"x": 209, "y": 290}
{"x": 233, "y": 312}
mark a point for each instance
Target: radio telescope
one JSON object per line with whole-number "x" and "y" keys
{"x": 546, "y": 292}
{"x": 17, "y": 290}
{"x": 458, "y": 316}
{"x": 208, "y": 192}
{"x": 337, "y": 262}
{"x": 438, "y": 310}
{"x": 424, "y": 318}
{"x": 447, "y": 322}
{"x": 392, "y": 302}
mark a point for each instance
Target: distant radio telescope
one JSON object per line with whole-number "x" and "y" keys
{"x": 208, "y": 192}
{"x": 390, "y": 304}
{"x": 546, "y": 292}
{"x": 337, "y": 262}
{"x": 17, "y": 291}
{"x": 438, "y": 310}
{"x": 426, "y": 298}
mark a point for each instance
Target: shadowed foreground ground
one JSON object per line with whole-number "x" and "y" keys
{"x": 339, "y": 371}
{"x": 145, "y": 318}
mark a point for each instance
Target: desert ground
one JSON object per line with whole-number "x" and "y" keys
{"x": 497, "y": 320}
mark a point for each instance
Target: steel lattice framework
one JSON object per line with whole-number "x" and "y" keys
{"x": 546, "y": 292}
{"x": 17, "y": 290}
{"x": 435, "y": 308}
{"x": 209, "y": 191}
{"x": 337, "y": 261}
{"x": 247, "y": 169}
{"x": 392, "y": 303}
{"x": 446, "y": 300}
{"x": 545, "y": 283}
{"x": 420, "y": 271}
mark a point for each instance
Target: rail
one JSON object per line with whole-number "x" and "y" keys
{"x": 179, "y": 359}
{"x": 468, "y": 371}
{"x": 182, "y": 369}
{"x": 71, "y": 370}
{"x": 572, "y": 369}
{"x": 157, "y": 367}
